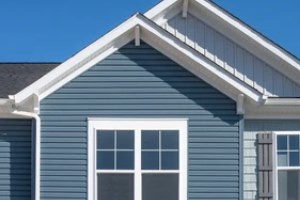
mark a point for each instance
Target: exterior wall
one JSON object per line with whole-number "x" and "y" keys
{"x": 15, "y": 159}
{"x": 140, "y": 82}
{"x": 231, "y": 57}
{"x": 252, "y": 128}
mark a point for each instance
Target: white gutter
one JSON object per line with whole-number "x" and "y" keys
{"x": 282, "y": 101}
{"x": 37, "y": 148}
{"x": 33, "y": 115}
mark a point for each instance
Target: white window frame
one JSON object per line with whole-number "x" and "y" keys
{"x": 138, "y": 124}
{"x": 275, "y": 164}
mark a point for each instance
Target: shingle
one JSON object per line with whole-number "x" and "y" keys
{"x": 16, "y": 76}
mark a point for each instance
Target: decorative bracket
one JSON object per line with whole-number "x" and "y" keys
{"x": 240, "y": 110}
{"x": 137, "y": 35}
{"x": 185, "y": 8}
{"x": 36, "y": 103}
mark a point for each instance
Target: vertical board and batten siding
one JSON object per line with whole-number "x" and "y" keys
{"x": 140, "y": 82}
{"x": 252, "y": 129}
{"x": 15, "y": 159}
{"x": 231, "y": 57}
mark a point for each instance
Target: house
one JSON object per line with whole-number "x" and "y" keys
{"x": 184, "y": 102}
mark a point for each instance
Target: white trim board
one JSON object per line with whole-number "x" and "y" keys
{"x": 234, "y": 29}
{"x": 137, "y": 125}
{"x": 152, "y": 34}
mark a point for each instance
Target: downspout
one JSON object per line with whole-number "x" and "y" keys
{"x": 34, "y": 115}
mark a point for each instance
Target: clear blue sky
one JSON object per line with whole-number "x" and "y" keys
{"x": 53, "y": 30}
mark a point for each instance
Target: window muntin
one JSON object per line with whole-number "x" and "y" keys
{"x": 115, "y": 149}
{"x": 168, "y": 127}
{"x": 288, "y": 150}
{"x": 160, "y": 150}
{"x": 288, "y": 166}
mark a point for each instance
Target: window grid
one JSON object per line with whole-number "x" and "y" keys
{"x": 161, "y": 150}
{"x": 288, "y": 150}
{"x": 115, "y": 150}
{"x": 287, "y": 167}
{"x": 180, "y": 125}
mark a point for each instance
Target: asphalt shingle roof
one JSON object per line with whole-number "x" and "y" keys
{"x": 16, "y": 76}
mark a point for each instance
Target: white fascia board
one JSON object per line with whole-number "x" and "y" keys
{"x": 159, "y": 14}
{"x": 195, "y": 62}
{"x": 250, "y": 33}
{"x": 160, "y": 8}
{"x": 158, "y": 37}
{"x": 108, "y": 44}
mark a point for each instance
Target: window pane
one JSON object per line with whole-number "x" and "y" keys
{"x": 160, "y": 187}
{"x": 294, "y": 142}
{"x": 115, "y": 187}
{"x": 125, "y": 160}
{"x": 150, "y": 160}
{"x": 294, "y": 159}
{"x": 105, "y": 139}
{"x": 169, "y": 160}
{"x": 282, "y": 142}
{"x": 150, "y": 139}
{"x": 105, "y": 160}
{"x": 125, "y": 139}
{"x": 282, "y": 159}
{"x": 169, "y": 139}
{"x": 288, "y": 185}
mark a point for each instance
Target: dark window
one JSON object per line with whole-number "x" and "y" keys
{"x": 115, "y": 187}
{"x": 160, "y": 150}
{"x": 289, "y": 185}
{"x": 288, "y": 150}
{"x": 160, "y": 186}
{"x": 115, "y": 149}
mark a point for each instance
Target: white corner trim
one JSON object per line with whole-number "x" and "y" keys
{"x": 137, "y": 36}
{"x": 240, "y": 104}
{"x": 185, "y": 6}
{"x": 138, "y": 124}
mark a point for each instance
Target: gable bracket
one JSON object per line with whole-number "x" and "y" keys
{"x": 137, "y": 35}
{"x": 240, "y": 110}
{"x": 185, "y": 8}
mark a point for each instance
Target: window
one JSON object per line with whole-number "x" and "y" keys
{"x": 288, "y": 166}
{"x": 137, "y": 159}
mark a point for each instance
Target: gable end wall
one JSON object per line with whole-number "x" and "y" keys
{"x": 231, "y": 57}
{"x": 140, "y": 82}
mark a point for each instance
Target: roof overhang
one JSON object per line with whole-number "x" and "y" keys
{"x": 248, "y": 99}
{"x": 155, "y": 36}
{"x": 234, "y": 29}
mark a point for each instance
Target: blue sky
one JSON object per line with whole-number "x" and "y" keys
{"x": 53, "y": 30}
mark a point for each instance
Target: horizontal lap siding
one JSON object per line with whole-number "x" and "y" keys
{"x": 140, "y": 82}
{"x": 15, "y": 159}
{"x": 231, "y": 57}
{"x": 252, "y": 128}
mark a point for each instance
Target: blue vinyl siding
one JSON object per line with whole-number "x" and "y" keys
{"x": 140, "y": 82}
{"x": 15, "y": 159}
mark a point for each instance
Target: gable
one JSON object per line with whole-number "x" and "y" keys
{"x": 231, "y": 56}
{"x": 140, "y": 82}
